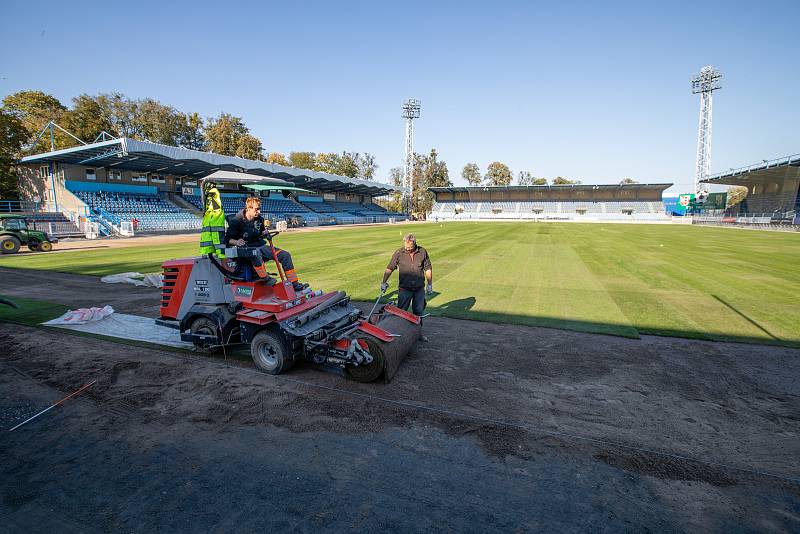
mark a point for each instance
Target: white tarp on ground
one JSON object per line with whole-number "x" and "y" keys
{"x": 137, "y": 279}
{"x": 133, "y": 327}
{"x": 81, "y": 316}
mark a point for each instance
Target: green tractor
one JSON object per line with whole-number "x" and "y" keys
{"x": 14, "y": 233}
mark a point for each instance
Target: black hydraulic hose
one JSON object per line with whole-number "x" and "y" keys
{"x": 225, "y": 272}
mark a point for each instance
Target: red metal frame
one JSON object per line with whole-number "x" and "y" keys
{"x": 375, "y": 331}
{"x": 176, "y": 280}
{"x": 394, "y": 310}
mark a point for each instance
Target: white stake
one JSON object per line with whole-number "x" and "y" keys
{"x": 53, "y": 406}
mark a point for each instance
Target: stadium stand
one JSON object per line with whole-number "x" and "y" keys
{"x": 645, "y": 211}
{"x": 138, "y": 204}
{"x": 116, "y": 180}
{"x": 773, "y": 195}
{"x": 348, "y": 212}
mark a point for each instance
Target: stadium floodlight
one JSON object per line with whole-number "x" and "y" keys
{"x": 704, "y": 84}
{"x": 411, "y": 110}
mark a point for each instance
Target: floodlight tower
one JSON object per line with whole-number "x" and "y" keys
{"x": 705, "y": 84}
{"x": 411, "y": 108}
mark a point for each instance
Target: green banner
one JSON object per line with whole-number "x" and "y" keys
{"x": 713, "y": 201}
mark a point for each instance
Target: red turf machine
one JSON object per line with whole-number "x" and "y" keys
{"x": 238, "y": 302}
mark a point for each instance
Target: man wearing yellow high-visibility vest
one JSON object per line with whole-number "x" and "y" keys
{"x": 212, "y": 233}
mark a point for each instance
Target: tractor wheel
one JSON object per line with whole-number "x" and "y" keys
{"x": 33, "y": 247}
{"x": 45, "y": 246}
{"x": 206, "y": 327}
{"x": 9, "y": 245}
{"x": 271, "y": 352}
{"x": 371, "y": 371}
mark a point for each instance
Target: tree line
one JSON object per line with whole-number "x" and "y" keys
{"x": 23, "y": 116}
{"x": 499, "y": 174}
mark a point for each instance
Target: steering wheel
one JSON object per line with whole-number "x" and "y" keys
{"x": 270, "y": 234}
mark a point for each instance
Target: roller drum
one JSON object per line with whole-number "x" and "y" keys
{"x": 387, "y": 356}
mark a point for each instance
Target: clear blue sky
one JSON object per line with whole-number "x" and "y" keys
{"x": 597, "y": 91}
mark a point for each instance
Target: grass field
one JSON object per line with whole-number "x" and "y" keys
{"x": 696, "y": 282}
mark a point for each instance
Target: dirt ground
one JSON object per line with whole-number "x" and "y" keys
{"x": 485, "y": 427}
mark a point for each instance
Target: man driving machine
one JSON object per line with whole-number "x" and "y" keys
{"x": 248, "y": 228}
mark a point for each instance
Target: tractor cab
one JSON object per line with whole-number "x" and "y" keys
{"x": 14, "y": 233}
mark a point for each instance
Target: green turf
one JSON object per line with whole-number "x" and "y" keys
{"x": 687, "y": 281}
{"x": 30, "y": 312}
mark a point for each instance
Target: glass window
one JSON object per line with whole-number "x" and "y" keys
{"x": 44, "y": 171}
{"x": 90, "y": 175}
{"x": 15, "y": 224}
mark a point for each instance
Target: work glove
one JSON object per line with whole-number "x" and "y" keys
{"x": 384, "y": 287}
{"x": 429, "y": 289}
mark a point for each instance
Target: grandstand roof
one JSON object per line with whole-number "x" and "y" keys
{"x": 585, "y": 187}
{"x": 766, "y": 170}
{"x": 142, "y": 156}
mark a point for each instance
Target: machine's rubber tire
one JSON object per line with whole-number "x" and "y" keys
{"x": 204, "y": 325}
{"x": 271, "y": 352}
{"x": 45, "y": 246}
{"x": 33, "y": 247}
{"x": 9, "y": 245}
{"x": 368, "y": 373}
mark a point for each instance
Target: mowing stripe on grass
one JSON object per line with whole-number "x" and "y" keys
{"x": 695, "y": 282}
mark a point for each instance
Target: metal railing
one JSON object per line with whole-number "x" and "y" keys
{"x": 16, "y": 206}
{"x": 56, "y": 228}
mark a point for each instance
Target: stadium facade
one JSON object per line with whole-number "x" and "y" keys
{"x": 157, "y": 185}
{"x": 573, "y": 202}
{"x": 773, "y": 192}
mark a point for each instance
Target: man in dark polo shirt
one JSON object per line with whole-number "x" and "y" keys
{"x": 415, "y": 271}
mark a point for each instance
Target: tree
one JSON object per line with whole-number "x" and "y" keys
{"x": 87, "y": 119}
{"x": 736, "y": 194}
{"x": 327, "y": 162}
{"x": 13, "y": 136}
{"x": 192, "y": 136}
{"x": 344, "y": 164}
{"x": 628, "y": 181}
{"x": 348, "y": 164}
{"x": 565, "y": 181}
{"x": 122, "y": 114}
{"x": 249, "y": 147}
{"x": 471, "y": 173}
{"x": 427, "y": 172}
{"x": 303, "y": 160}
{"x": 367, "y": 166}
{"x": 395, "y": 204}
{"x": 539, "y": 181}
{"x": 498, "y": 174}
{"x": 277, "y": 158}
{"x": 223, "y": 134}
{"x": 159, "y": 123}
{"x": 34, "y": 109}
{"x": 525, "y": 178}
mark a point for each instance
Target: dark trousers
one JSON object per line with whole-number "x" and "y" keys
{"x": 415, "y": 297}
{"x": 284, "y": 258}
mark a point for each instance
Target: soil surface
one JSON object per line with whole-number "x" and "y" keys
{"x": 484, "y": 427}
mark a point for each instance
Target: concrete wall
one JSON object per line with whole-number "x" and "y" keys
{"x": 33, "y": 183}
